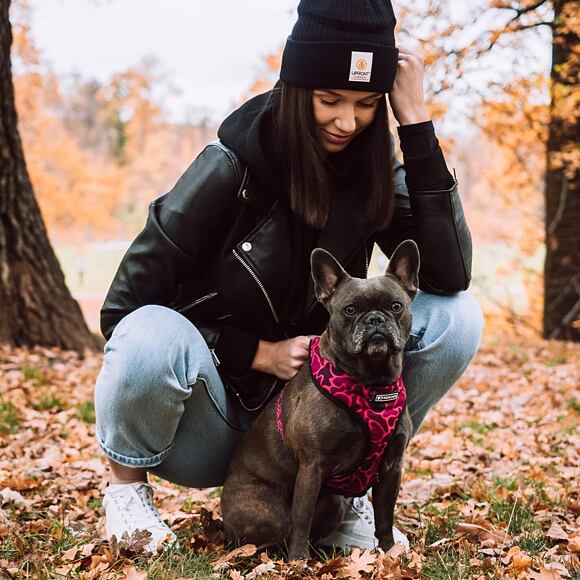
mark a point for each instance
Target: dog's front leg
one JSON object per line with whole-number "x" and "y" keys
{"x": 306, "y": 491}
{"x": 386, "y": 490}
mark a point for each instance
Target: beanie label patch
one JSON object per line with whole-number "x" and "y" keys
{"x": 361, "y": 64}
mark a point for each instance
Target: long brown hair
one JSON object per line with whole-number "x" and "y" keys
{"x": 312, "y": 178}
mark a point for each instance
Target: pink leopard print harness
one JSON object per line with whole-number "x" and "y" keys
{"x": 377, "y": 407}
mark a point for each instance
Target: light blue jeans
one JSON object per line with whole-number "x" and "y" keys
{"x": 160, "y": 402}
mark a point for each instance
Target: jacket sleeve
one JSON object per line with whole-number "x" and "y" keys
{"x": 428, "y": 210}
{"x": 178, "y": 239}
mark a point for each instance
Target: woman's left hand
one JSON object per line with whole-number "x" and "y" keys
{"x": 407, "y": 99}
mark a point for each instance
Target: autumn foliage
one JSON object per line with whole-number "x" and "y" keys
{"x": 490, "y": 482}
{"x": 97, "y": 153}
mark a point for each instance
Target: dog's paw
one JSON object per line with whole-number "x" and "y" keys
{"x": 386, "y": 544}
{"x": 298, "y": 554}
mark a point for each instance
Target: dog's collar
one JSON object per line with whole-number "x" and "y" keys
{"x": 321, "y": 367}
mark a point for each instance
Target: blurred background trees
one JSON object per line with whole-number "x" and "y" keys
{"x": 98, "y": 151}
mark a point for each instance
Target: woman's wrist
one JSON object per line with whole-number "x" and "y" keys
{"x": 263, "y": 356}
{"x": 413, "y": 117}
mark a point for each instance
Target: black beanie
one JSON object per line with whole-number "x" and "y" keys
{"x": 342, "y": 44}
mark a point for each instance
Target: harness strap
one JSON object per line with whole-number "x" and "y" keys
{"x": 279, "y": 423}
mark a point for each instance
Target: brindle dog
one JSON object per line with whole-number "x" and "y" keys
{"x": 274, "y": 492}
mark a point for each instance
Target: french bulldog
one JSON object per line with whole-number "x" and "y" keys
{"x": 284, "y": 482}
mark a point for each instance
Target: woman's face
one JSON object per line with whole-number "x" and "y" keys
{"x": 341, "y": 115}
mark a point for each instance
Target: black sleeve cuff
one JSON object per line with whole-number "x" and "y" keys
{"x": 235, "y": 350}
{"x": 418, "y": 139}
{"x": 425, "y": 168}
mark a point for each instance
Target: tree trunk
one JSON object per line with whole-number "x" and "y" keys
{"x": 36, "y": 307}
{"x": 562, "y": 267}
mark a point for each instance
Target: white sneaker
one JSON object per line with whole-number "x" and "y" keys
{"x": 357, "y": 529}
{"x": 129, "y": 507}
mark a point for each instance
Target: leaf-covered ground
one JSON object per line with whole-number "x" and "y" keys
{"x": 491, "y": 485}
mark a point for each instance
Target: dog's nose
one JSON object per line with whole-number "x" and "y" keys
{"x": 375, "y": 319}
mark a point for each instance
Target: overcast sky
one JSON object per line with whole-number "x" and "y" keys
{"x": 211, "y": 50}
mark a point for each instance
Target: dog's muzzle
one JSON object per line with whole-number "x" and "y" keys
{"x": 381, "y": 328}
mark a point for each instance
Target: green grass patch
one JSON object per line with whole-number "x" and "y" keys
{"x": 433, "y": 533}
{"x": 533, "y": 542}
{"x": 478, "y": 441}
{"x": 9, "y": 422}
{"x": 573, "y": 404}
{"x": 180, "y": 563}
{"x": 511, "y": 484}
{"x": 95, "y": 503}
{"x": 556, "y": 361}
{"x": 420, "y": 472}
{"x": 539, "y": 488}
{"x": 48, "y": 403}
{"x": 53, "y": 539}
{"x": 215, "y": 493}
{"x": 441, "y": 523}
{"x": 86, "y": 412}
{"x": 190, "y": 507}
{"x": 519, "y": 352}
{"x": 33, "y": 374}
{"x": 446, "y": 563}
{"x": 519, "y": 517}
{"x": 481, "y": 428}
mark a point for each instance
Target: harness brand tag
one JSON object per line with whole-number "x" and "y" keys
{"x": 361, "y": 65}
{"x": 387, "y": 397}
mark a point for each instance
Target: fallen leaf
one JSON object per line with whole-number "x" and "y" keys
{"x": 8, "y": 494}
{"x": 212, "y": 527}
{"x": 359, "y": 561}
{"x": 332, "y": 566}
{"x": 558, "y": 567}
{"x": 70, "y": 554}
{"x": 64, "y": 570}
{"x": 440, "y": 542}
{"x": 481, "y": 533}
{"x": 556, "y": 532}
{"x": 574, "y": 545}
{"x": 263, "y": 568}
{"x": 243, "y": 552}
{"x": 87, "y": 550}
{"x": 396, "y": 551}
{"x": 544, "y": 574}
{"x": 521, "y": 560}
{"x": 132, "y": 573}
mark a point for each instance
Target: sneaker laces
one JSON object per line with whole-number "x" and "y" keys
{"x": 362, "y": 506}
{"x": 140, "y": 519}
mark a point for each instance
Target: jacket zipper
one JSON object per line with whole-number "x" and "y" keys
{"x": 196, "y": 302}
{"x": 263, "y": 400}
{"x": 259, "y": 282}
{"x": 366, "y": 259}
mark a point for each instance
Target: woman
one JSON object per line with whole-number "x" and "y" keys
{"x": 212, "y": 307}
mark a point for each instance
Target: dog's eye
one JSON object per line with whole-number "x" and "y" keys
{"x": 396, "y": 307}
{"x": 350, "y": 310}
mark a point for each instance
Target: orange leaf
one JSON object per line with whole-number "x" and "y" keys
{"x": 574, "y": 544}
{"x": 132, "y": 573}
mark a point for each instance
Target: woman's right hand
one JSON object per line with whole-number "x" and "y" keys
{"x": 282, "y": 359}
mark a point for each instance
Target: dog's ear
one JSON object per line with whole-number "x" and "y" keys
{"x": 404, "y": 266}
{"x": 327, "y": 273}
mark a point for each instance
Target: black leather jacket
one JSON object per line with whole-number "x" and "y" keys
{"x": 215, "y": 248}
